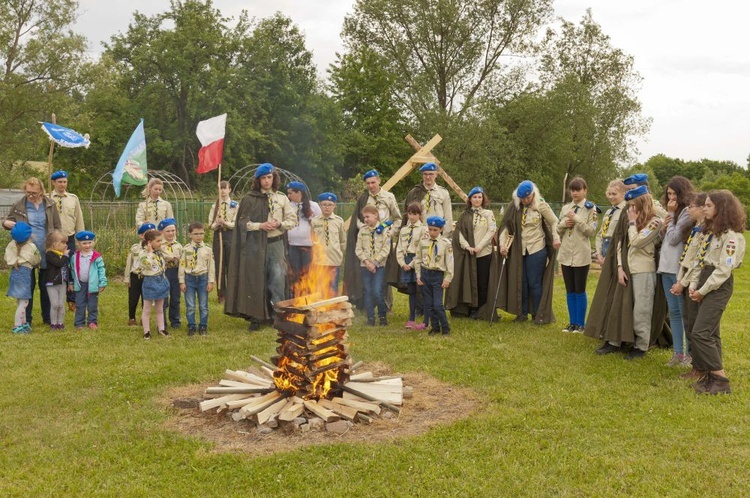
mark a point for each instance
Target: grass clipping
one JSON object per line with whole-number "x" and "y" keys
{"x": 433, "y": 403}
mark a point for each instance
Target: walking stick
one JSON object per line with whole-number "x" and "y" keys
{"x": 499, "y": 281}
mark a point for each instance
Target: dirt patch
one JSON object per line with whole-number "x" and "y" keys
{"x": 433, "y": 403}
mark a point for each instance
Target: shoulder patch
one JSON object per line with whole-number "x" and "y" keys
{"x": 233, "y": 204}
{"x": 589, "y": 204}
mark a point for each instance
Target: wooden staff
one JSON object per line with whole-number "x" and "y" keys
{"x": 219, "y": 287}
{"x": 499, "y": 281}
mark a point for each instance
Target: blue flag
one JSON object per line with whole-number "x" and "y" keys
{"x": 65, "y": 137}
{"x": 132, "y": 167}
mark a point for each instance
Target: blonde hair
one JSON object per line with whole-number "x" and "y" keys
{"x": 618, "y": 185}
{"x": 644, "y": 205}
{"x": 54, "y": 237}
{"x": 147, "y": 189}
{"x": 34, "y": 181}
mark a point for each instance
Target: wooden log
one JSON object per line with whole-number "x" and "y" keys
{"x": 268, "y": 371}
{"x": 325, "y": 414}
{"x": 217, "y": 402}
{"x": 346, "y": 412}
{"x": 263, "y": 363}
{"x": 361, "y": 376}
{"x": 328, "y": 316}
{"x": 241, "y": 376}
{"x": 389, "y": 394}
{"x": 418, "y": 157}
{"x": 239, "y": 390}
{"x": 367, "y": 397}
{"x": 361, "y": 406}
{"x": 293, "y": 410}
{"x": 303, "y": 304}
{"x": 266, "y": 414}
{"x": 316, "y": 333}
{"x": 357, "y": 365}
{"x": 234, "y": 405}
{"x": 261, "y": 403}
{"x": 364, "y": 418}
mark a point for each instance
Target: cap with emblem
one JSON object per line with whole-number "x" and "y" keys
{"x": 58, "y": 174}
{"x": 636, "y": 179}
{"x": 145, "y": 228}
{"x": 370, "y": 174}
{"x": 636, "y": 192}
{"x": 263, "y": 170}
{"x": 85, "y": 235}
{"x": 435, "y": 221}
{"x": 428, "y": 167}
{"x": 525, "y": 189}
{"x": 166, "y": 222}
{"x": 328, "y": 196}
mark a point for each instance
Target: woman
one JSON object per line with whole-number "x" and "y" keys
{"x": 300, "y": 237}
{"x": 722, "y": 249}
{"x": 675, "y": 231}
{"x": 41, "y": 214}
{"x": 616, "y": 195}
{"x": 153, "y": 209}
{"x": 472, "y": 252}
{"x": 576, "y": 227}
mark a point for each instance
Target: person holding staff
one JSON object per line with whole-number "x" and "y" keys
{"x": 221, "y": 219}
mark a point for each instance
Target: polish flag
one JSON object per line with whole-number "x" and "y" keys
{"x": 211, "y": 135}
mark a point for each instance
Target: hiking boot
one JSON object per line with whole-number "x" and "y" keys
{"x": 608, "y": 348}
{"x": 370, "y": 322}
{"x": 693, "y": 374}
{"x": 521, "y": 318}
{"x": 473, "y": 314}
{"x": 253, "y": 327}
{"x": 702, "y": 382}
{"x": 715, "y": 385}
{"x": 635, "y": 354}
{"x": 191, "y": 331}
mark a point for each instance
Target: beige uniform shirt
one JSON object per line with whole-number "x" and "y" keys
{"x": 437, "y": 202}
{"x": 609, "y": 224}
{"x": 408, "y": 241}
{"x": 171, "y": 252}
{"x": 329, "y": 232}
{"x": 687, "y": 259}
{"x": 485, "y": 226}
{"x": 385, "y": 203}
{"x": 532, "y": 232}
{"x": 435, "y": 254}
{"x": 69, "y": 208}
{"x": 26, "y": 255}
{"x": 642, "y": 247}
{"x": 373, "y": 246}
{"x": 227, "y": 212}
{"x": 131, "y": 262}
{"x": 575, "y": 241}
{"x": 150, "y": 264}
{"x": 280, "y": 210}
{"x": 724, "y": 252}
{"x": 153, "y": 211}
{"x": 196, "y": 261}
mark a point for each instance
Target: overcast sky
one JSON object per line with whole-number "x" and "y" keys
{"x": 694, "y": 57}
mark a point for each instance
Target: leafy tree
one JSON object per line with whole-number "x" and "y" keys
{"x": 737, "y": 183}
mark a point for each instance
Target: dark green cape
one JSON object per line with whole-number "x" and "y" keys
{"x": 352, "y": 277}
{"x": 511, "y": 285}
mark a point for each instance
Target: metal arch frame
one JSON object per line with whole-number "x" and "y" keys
{"x": 241, "y": 181}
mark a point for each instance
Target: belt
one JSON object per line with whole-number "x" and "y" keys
{"x": 274, "y": 239}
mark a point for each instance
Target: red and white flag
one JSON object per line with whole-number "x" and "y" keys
{"x": 211, "y": 135}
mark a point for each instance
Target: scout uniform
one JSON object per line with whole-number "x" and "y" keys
{"x": 196, "y": 272}
{"x": 228, "y": 212}
{"x": 171, "y": 252}
{"x": 609, "y": 224}
{"x": 437, "y": 202}
{"x": 374, "y": 245}
{"x": 279, "y": 209}
{"x": 484, "y": 224}
{"x": 153, "y": 211}
{"x": 433, "y": 265}
{"x": 133, "y": 274}
{"x": 385, "y": 203}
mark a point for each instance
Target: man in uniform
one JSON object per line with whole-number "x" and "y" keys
{"x": 435, "y": 200}
{"x": 71, "y": 216}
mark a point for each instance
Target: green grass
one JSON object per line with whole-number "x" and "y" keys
{"x": 80, "y": 416}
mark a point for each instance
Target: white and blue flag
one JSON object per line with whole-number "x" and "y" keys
{"x": 65, "y": 137}
{"x": 132, "y": 167}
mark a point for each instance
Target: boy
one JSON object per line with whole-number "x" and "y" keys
{"x": 373, "y": 247}
{"x": 328, "y": 230}
{"x": 171, "y": 250}
{"x": 89, "y": 278}
{"x": 409, "y": 239}
{"x": 196, "y": 276}
{"x": 433, "y": 265}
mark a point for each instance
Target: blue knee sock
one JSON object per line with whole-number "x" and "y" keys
{"x": 582, "y": 301}
{"x": 572, "y": 307}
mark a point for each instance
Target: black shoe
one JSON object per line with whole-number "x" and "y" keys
{"x": 164, "y": 333}
{"x": 202, "y": 331}
{"x": 608, "y": 348}
{"x": 176, "y": 325}
{"x": 147, "y": 335}
{"x": 446, "y": 332}
{"x": 521, "y": 319}
{"x": 433, "y": 332}
{"x": 473, "y": 314}
{"x": 191, "y": 331}
{"x": 254, "y": 325}
{"x": 383, "y": 320}
{"x": 635, "y": 354}
{"x": 371, "y": 323}
{"x": 569, "y": 328}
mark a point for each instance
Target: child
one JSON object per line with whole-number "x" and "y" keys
{"x": 373, "y": 247}
{"x": 89, "y": 278}
{"x": 22, "y": 256}
{"x": 196, "y": 276}
{"x": 616, "y": 195}
{"x": 171, "y": 250}
{"x": 58, "y": 275}
{"x": 433, "y": 265}
{"x": 222, "y": 221}
{"x": 721, "y": 251}
{"x": 133, "y": 278}
{"x": 153, "y": 209}
{"x": 155, "y": 283}
{"x": 408, "y": 243}
{"x": 328, "y": 230}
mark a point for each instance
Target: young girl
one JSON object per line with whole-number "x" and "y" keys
{"x": 675, "y": 231}
{"x": 133, "y": 277}
{"x": 153, "y": 209}
{"x": 577, "y": 225}
{"x": 616, "y": 196}
{"x": 58, "y": 276}
{"x": 22, "y": 256}
{"x": 408, "y": 243}
{"x": 155, "y": 283}
{"x": 721, "y": 251}
{"x": 300, "y": 237}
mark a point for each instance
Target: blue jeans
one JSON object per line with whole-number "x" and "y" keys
{"x": 432, "y": 294}
{"x": 196, "y": 284}
{"x": 276, "y": 271}
{"x": 674, "y": 303}
{"x": 373, "y": 285}
{"x": 172, "y": 302}
{"x": 86, "y": 302}
{"x": 533, "y": 272}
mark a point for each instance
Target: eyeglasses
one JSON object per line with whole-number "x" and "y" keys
{"x": 32, "y": 194}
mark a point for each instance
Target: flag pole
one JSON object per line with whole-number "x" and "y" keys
{"x": 219, "y": 287}
{"x": 49, "y": 158}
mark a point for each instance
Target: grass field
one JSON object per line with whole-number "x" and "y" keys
{"x": 80, "y": 416}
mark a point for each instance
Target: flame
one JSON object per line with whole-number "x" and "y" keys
{"x": 315, "y": 284}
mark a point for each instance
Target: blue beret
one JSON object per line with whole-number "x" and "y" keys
{"x": 428, "y": 167}
{"x": 436, "y": 221}
{"x": 371, "y": 173}
{"x": 166, "y": 222}
{"x": 263, "y": 170}
{"x": 145, "y": 228}
{"x": 297, "y": 186}
{"x": 85, "y": 235}
{"x": 328, "y": 196}
{"x": 636, "y": 179}
{"x": 58, "y": 174}
{"x": 525, "y": 189}
{"x": 233, "y": 204}
{"x": 636, "y": 192}
{"x": 475, "y": 190}
{"x": 21, "y": 232}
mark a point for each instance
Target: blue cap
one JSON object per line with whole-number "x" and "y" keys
{"x": 85, "y": 235}
{"x": 328, "y": 196}
{"x": 475, "y": 190}
{"x": 636, "y": 179}
{"x": 145, "y": 228}
{"x": 21, "y": 232}
{"x": 58, "y": 174}
{"x": 370, "y": 174}
{"x": 436, "y": 221}
{"x": 264, "y": 169}
{"x": 636, "y": 192}
{"x": 428, "y": 167}
{"x": 166, "y": 222}
{"x": 297, "y": 186}
{"x": 525, "y": 189}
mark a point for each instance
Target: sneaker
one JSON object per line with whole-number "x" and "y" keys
{"x": 164, "y": 333}
{"x": 577, "y": 329}
{"x": 635, "y": 354}
{"x": 716, "y": 384}
{"x": 420, "y": 326}
{"x": 383, "y": 321}
{"x": 131, "y": 322}
{"x": 176, "y": 325}
{"x": 191, "y": 331}
{"x": 608, "y": 348}
{"x": 202, "y": 331}
{"x": 410, "y": 324}
{"x": 371, "y": 323}
{"x": 147, "y": 335}
{"x": 569, "y": 328}
{"x": 703, "y": 380}
{"x": 687, "y": 361}
{"x": 21, "y": 329}
{"x": 26, "y": 328}
{"x": 521, "y": 319}
{"x": 93, "y": 326}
